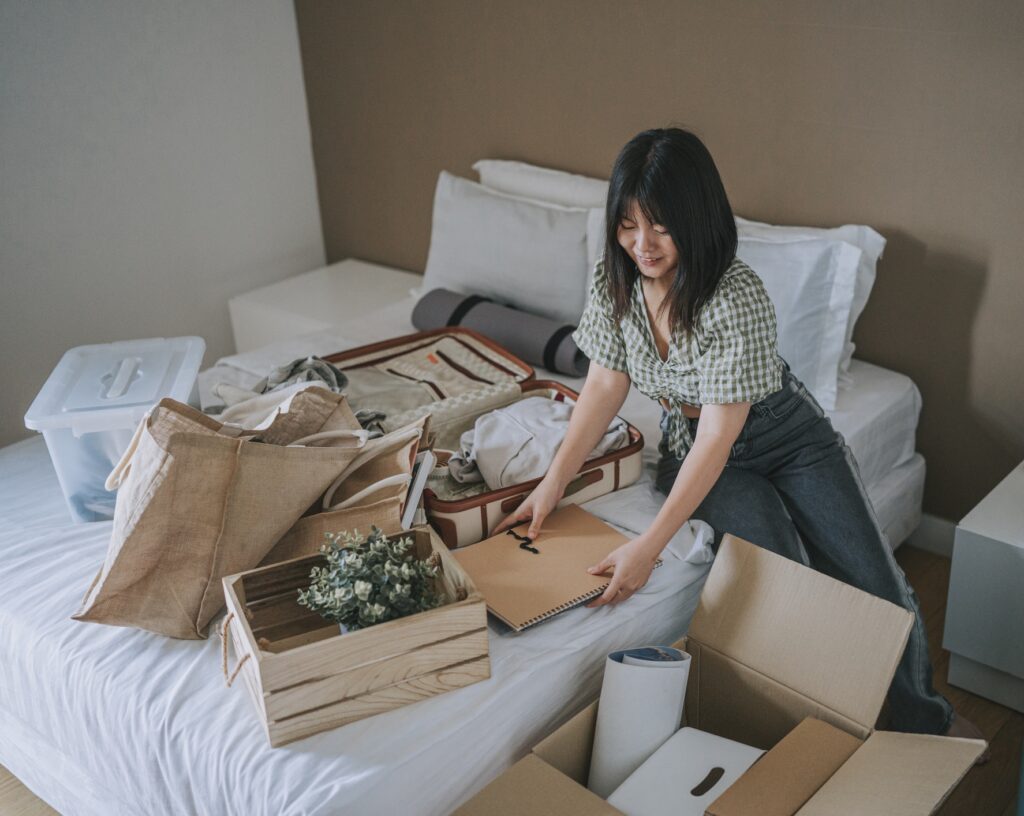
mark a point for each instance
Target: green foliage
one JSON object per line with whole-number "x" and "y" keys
{"x": 371, "y": 580}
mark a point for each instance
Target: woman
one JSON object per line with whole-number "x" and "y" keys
{"x": 745, "y": 447}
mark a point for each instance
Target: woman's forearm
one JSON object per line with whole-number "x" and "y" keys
{"x": 700, "y": 470}
{"x": 594, "y": 411}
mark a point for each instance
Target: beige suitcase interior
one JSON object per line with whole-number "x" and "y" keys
{"x": 455, "y": 375}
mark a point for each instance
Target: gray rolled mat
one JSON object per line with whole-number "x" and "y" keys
{"x": 537, "y": 340}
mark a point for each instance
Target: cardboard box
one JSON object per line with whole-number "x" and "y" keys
{"x": 775, "y": 643}
{"x": 304, "y": 676}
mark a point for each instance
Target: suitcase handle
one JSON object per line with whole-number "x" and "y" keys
{"x": 575, "y": 486}
{"x": 582, "y": 481}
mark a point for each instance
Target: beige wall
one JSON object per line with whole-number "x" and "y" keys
{"x": 906, "y": 116}
{"x": 154, "y": 161}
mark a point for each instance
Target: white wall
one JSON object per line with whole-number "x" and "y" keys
{"x": 154, "y": 160}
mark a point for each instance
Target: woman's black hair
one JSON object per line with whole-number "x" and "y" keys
{"x": 672, "y": 178}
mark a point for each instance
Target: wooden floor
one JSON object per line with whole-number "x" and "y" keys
{"x": 17, "y": 800}
{"x": 987, "y": 790}
{"x": 990, "y": 789}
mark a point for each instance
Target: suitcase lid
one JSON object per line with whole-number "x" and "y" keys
{"x": 490, "y": 352}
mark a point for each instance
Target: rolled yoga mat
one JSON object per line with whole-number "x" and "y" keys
{"x": 641, "y": 706}
{"x": 538, "y": 340}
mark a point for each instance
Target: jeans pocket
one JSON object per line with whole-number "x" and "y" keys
{"x": 783, "y": 402}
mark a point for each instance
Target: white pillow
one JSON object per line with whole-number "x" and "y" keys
{"x": 542, "y": 183}
{"x": 812, "y": 284}
{"x": 515, "y": 251}
{"x": 871, "y": 245}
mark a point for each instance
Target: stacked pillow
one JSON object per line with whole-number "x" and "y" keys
{"x": 811, "y": 284}
{"x": 545, "y": 186}
{"x": 514, "y": 250}
{"x": 529, "y": 237}
{"x": 870, "y": 244}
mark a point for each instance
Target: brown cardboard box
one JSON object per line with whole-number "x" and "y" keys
{"x": 775, "y": 643}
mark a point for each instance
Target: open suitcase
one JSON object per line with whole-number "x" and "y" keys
{"x": 455, "y": 374}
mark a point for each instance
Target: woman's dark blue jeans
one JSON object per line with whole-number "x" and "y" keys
{"x": 792, "y": 486}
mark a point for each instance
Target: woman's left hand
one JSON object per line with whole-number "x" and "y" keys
{"x": 631, "y": 566}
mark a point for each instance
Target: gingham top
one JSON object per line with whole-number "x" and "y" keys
{"x": 730, "y": 356}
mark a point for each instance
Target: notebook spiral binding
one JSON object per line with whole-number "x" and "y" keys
{"x": 586, "y": 596}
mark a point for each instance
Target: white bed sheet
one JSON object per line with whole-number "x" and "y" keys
{"x": 107, "y": 720}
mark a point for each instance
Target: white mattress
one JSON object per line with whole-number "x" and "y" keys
{"x": 104, "y": 720}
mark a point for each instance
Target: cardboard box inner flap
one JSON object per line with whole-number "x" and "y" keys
{"x": 803, "y": 631}
{"x": 896, "y": 774}
{"x": 728, "y": 699}
{"x": 569, "y": 748}
{"x": 534, "y": 787}
{"x": 782, "y": 780}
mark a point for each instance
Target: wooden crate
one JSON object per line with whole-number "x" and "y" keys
{"x": 305, "y": 676}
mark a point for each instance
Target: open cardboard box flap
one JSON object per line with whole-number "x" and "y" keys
{"x": 822, "y": 639}
{"x": 774, "y": 643}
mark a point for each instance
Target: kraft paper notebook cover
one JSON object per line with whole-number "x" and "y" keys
{"x": 522, "y": 587}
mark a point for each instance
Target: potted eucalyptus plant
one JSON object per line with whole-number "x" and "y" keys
{"x": 370, "y": 580}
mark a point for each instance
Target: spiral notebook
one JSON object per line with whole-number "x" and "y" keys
{"x": 525, "y": 582}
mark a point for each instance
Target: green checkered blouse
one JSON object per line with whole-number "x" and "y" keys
{"x": 730, "y": 356}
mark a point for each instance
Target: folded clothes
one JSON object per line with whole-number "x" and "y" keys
{"x": 538, "y": 340}
{"x": 517, "y": 443}
{"x": 311, "y": 369}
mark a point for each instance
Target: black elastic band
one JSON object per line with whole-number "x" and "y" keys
{"x": 524, "y": 541}
{"x": 463, "y": 308}
{"x": 552, "y": 346}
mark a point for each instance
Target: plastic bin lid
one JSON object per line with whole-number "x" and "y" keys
{"x": 112, "y": 385}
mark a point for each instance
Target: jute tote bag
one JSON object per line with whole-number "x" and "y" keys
{"x": 198, "y": 500}
{"x": 371, "y": 492}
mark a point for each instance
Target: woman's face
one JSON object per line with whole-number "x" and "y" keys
{"x": 649, "y": 245}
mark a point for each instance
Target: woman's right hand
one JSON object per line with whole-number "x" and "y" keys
{"x": 535, "y": 507}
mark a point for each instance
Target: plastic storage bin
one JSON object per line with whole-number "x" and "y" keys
{"x": 91, "y": 404}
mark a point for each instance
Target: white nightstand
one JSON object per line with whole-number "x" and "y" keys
{"x": 314, "y": 301}
{"x": 985, "y": 610}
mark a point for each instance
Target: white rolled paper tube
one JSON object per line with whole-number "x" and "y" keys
{"x": 641, "y": 706}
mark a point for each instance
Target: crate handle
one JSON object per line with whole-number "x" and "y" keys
{"x": 225, "y": 636}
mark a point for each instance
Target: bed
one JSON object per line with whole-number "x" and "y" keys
{"x": 106, "y": 720}
{"x": 103, "y": 720}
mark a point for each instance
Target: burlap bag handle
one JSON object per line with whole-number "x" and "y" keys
{"x": 380, "y": 484}
{"x": 372, "y": 449}
{"x": 362, "y": 436}
{"x": 120, "y": 471}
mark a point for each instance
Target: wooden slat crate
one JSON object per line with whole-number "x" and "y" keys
{"x": 305, "y": 676}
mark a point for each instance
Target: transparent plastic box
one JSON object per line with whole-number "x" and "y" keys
{"x": 91, "y": 404}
